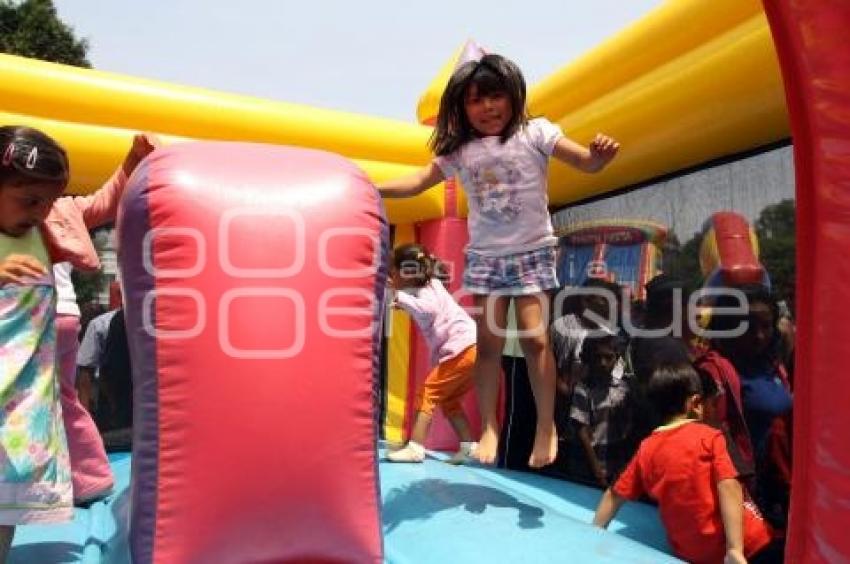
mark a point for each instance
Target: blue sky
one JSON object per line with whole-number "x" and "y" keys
{"x": 373, "y": 57}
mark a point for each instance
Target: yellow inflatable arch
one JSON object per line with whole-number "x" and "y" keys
{"x": 692, "y": 81}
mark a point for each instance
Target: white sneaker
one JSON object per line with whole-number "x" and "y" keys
{"x": 413, "y": 452}
{"x": 465, "y": 453}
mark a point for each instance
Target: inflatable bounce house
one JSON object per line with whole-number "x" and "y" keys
{"x": 253, "y": 257}
{"x": 625, "y": 252}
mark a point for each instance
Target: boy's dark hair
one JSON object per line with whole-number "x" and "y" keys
{"x": 660, "y": 292}
{"x": 611, "y": 287}
{"x": 708, "y": 384}
{"x": 28, "y": 155}
{"x": 591, "y": 344}
{"x": 670, "y": 387}
{"x": 415, "y": 263}
{"x": 492, "y": 73}
{"x": 593, "y": 282}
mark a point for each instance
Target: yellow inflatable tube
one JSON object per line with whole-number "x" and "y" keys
{"x": 674, "y": 98}
{"x": 664, "y": 34}
{"x": 95, "y": 151}
{"x": 71, "y": 94}
{"x": 398, "y": 357}
{"x": 722, "y": 98}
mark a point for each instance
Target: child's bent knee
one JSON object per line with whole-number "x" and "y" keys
{"x": 535, "y": 346}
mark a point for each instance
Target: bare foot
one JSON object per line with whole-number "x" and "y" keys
{"x": 545, "y": 447}
{"x": 488, "y": 446}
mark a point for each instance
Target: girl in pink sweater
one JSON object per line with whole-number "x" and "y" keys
{"x": 66, "y": 233}
{"x": 450, "y": 334}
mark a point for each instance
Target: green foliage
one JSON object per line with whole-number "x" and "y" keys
{"x": 775, "y": 228}
{"x": 686, "y": 266}
{"x": 88, "y": 285}
{"x": 33, "y": 29}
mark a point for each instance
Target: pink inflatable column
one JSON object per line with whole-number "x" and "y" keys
{"x": 252, "y": 276}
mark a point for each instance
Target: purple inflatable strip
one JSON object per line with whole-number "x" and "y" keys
{"x": 377, "y": 338}
{"x": 137, "y": 282}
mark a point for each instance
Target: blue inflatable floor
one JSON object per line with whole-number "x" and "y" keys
{"x": 432, "y": 512}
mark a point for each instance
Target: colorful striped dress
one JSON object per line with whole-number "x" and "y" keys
{"x": 35, "y": 477}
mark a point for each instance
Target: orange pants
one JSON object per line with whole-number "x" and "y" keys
{"x": 446, "y": 384}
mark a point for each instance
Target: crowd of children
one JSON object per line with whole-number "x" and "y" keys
{"x": 707, "y": 420}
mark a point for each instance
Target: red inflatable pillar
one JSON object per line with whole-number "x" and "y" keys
{"x": 811, "y": 40}
{"x": 739, "y": 264}
{"x": 254, "y": 279}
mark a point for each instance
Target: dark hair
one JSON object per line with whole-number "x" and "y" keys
{"x": 28, "y": 155}
{"x": 660, "y": 292}
{"x": 415, "y": 263}
{"x": 492, "y": 74}
{"x": 670, "y": 387}
{"x": 708, "y": 384}
{"x": 593, "y": 282}
{"x": 754, "y": 293}
{"x": 591, "y": 345}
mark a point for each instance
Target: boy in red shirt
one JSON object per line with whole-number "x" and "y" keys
{"x": 685, "y": 466}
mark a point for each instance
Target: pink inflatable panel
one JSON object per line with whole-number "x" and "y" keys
{"x": 254, "y": 278}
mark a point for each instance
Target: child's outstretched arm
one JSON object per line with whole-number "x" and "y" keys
{"x": 607, "y": 508}
{"x": 143, "y": 145}
{"x": 590, "y": 454}
{"x": 731, "y": 498}
{"x": 412, "y": 184}
{"x": 102, "y": 206}
{"x": 592, "y": 158}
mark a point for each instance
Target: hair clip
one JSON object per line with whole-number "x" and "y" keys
{"x": 8, "y": 154}
{"x": 32, "y": 158}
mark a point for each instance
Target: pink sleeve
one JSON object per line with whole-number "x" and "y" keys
{"x": 102, "y": 206}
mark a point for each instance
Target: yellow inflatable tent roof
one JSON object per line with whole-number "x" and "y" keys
{"x": 690, "y": 82}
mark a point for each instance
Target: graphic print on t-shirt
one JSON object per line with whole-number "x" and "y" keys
{"x": 494, "y": 188}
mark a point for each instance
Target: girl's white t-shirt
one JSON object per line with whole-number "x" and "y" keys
{"x": 66, "y": 297}
{"x": 505, "y": 184}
